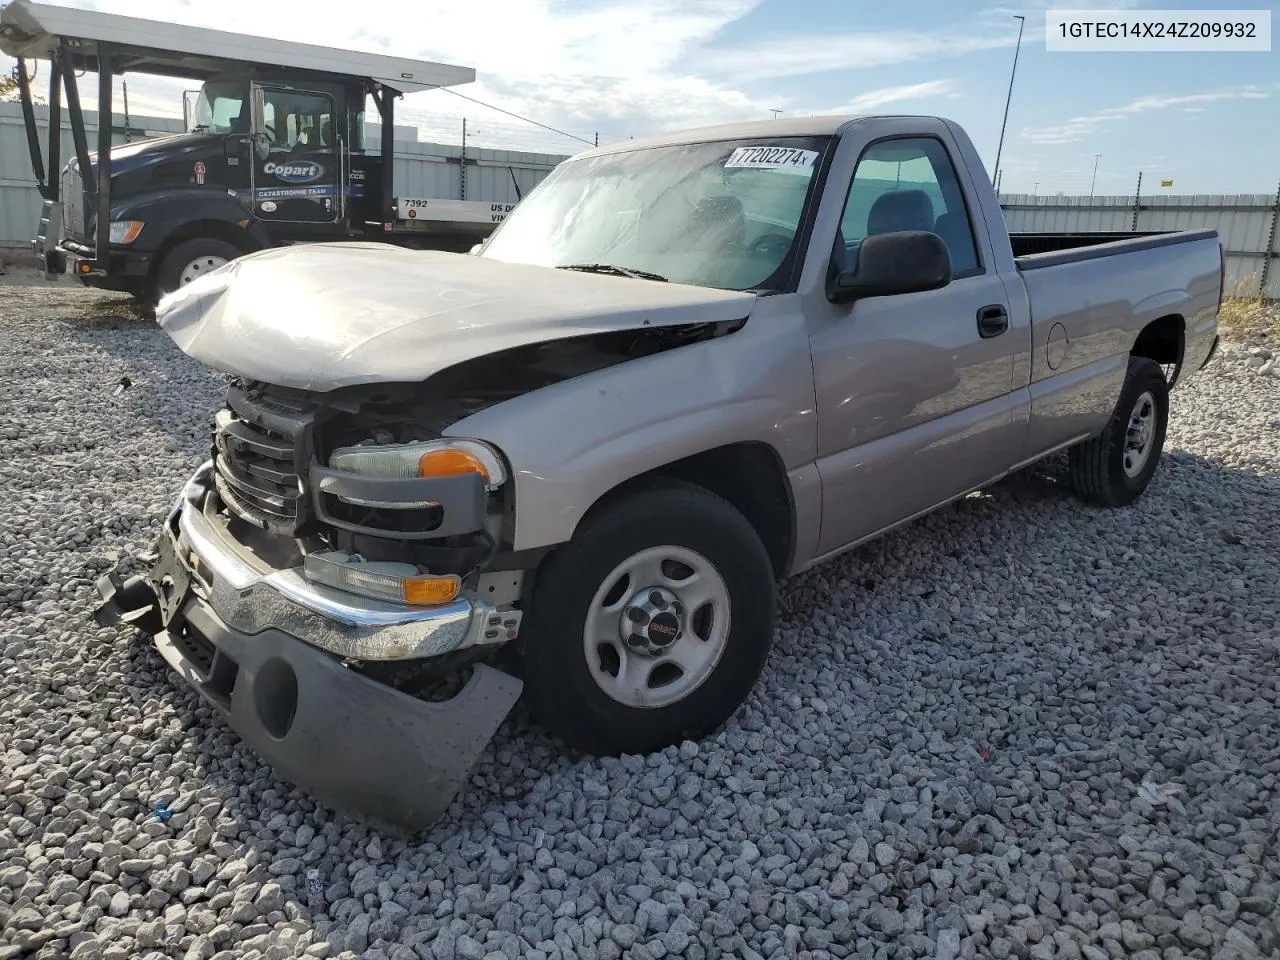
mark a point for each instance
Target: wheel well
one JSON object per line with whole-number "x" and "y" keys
{"x": 218, "y": 229}
{"x": 752, "y": 478}
{"x": 1163, "y": 341}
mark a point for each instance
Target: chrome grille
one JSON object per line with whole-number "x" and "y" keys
{"x": 260, "y": 455}
{"x": 72, "y": 201}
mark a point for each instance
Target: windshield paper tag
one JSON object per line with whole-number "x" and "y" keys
{"x": 772, "y": 158}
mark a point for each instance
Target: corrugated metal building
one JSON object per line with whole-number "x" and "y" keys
{"x": 1246, "y": 223}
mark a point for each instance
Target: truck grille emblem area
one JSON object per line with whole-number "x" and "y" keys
{"x": 260, "y": 459}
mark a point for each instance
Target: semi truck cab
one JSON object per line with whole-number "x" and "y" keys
{"x": 274, "y": 151}
{"x": 267, "y": 159}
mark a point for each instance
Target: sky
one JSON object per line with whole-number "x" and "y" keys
{"x": 622, "y": 68}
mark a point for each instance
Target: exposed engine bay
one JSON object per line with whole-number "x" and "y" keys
{"x": 400, "y": 413}
{"x": 403, "y": 412}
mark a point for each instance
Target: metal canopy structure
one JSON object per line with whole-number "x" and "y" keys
{"x": 78, "y": 40}
{"x": 38, "y": 30}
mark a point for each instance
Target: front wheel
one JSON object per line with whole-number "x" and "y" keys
{"x": 1115, "y": 467}
{"x": 189, "y": 260}
{"x": 651, "y": 625}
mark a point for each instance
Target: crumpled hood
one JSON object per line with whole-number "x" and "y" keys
{"x": 327, "y": 315}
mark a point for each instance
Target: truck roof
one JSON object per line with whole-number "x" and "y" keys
{"x": 817, "y": 126}
{"x": 35, "y": 30}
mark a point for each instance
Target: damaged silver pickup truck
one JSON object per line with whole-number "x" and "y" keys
{"x": 576, "y": 463}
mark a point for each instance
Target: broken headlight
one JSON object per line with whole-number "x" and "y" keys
{"x": 430, "y": 458}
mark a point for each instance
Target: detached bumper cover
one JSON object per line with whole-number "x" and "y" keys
{"x": 354, "y": 744}
{"x": 265, "y": 648}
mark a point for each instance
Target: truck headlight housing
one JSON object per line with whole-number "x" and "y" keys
{"x": 429, "y": 458}
{"x": 124, "y": 232}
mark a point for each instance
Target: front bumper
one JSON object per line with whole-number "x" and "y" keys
{"x": 265, "y": 648}
{"x": 126, "y": 270}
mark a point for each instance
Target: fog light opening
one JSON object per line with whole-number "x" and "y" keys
{"x": 275, "y": 697}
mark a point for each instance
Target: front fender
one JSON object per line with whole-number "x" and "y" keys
{"x": 571, "y": 443}
{"x": 172, "y": 210}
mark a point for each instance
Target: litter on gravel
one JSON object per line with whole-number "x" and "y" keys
{"x": 1021, "y": 727}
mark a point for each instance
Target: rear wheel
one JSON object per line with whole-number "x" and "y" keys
{"x": 1115, "y": 467}
{"x": 651, "y": 625}
{"x": 191, "y": 260}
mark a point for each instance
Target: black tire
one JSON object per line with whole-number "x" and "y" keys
{"x": 169, "y": 273}
{"x": 559, "y": 687}
{"x": 1098, "y": 466}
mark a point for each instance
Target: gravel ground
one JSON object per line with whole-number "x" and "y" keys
{"x": 1021, "y": 727}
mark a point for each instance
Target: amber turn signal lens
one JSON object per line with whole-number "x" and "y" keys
{"x": 450, "y": 463}
{"x": 380, "y": 580}
{"x": 429, "y": 590}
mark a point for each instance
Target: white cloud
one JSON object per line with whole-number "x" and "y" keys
{"x": 775, "y": 57}
{"x": 629, "y": 69}
{"x": 1078, "y": 128}
{"x": 1038, "y": 7}
{"x": 874, "y": 99}
{"x": 614, "y": 67}
{"x": 611, "y": 67}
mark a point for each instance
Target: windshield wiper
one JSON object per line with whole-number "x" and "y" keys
{"x": 612, "y": 270}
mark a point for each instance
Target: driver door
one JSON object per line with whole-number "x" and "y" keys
{"x": 916, "y": 398}
{"x": 298, "y": 156}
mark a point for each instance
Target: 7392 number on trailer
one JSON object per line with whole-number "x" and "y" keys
{"x": 456, "y": 211}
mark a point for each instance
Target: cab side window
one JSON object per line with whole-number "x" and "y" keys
{"x": 910, "y": 184}
{"x": 296, "y": 121}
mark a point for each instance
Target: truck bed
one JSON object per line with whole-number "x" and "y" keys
{"x": 1035, "y": 250}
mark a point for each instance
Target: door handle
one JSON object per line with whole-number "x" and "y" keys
{"x": 992, "y": 321}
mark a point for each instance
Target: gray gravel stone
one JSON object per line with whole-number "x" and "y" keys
{"x": 887, "y": 920}
{"x": 948, "y": 945}
{"x": 1020, "y": 727}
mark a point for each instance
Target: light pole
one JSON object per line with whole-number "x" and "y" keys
{"x": 1022, "y": 22}
{"x": 1094, "y": 181}
{"x": 1036, "y": 189}
{"x": 775, "y": 111}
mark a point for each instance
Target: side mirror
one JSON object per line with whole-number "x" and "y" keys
{"x": 887, "y": 263}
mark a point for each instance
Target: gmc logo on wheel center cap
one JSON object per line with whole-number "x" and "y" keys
{"x": 303, "y": 172}
{"x": 663, "y": 629}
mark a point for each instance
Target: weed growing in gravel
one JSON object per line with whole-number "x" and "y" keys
{"x": 1246, "y": 316}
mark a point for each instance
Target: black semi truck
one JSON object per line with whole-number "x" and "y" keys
{"x": 274, "y": 151}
